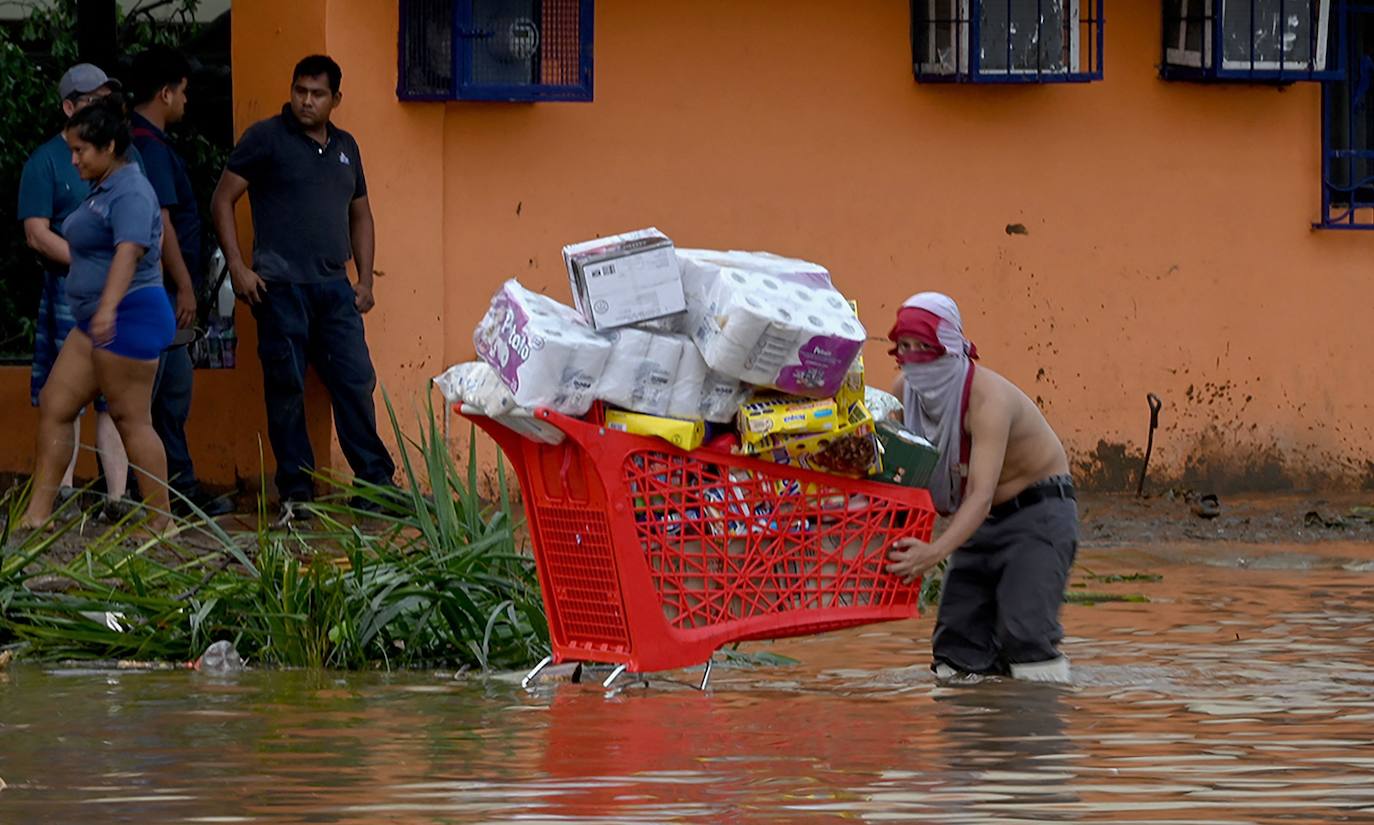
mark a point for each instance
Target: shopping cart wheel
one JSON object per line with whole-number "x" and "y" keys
{"x": 534, "y": 674}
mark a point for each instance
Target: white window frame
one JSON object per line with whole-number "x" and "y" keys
{"x": 956, "y": 13}
{"x": 959, "y": 14}
{"x": 1178, "y": 54}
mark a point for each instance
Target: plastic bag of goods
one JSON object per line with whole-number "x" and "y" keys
{"x": 477, "y": 387}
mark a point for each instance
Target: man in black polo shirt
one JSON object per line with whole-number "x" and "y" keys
{"x": 160, "y": 77}
{"x": 305, "y": 183}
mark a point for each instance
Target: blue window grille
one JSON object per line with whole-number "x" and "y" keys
{"x": 1006, "y": 41}
{"x": 1254, "y": 41}
{"x": 512, "y": 50}
{"x": 1348, "y": 130}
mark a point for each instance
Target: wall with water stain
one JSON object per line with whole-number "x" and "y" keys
{"x": 1165, "y": 241}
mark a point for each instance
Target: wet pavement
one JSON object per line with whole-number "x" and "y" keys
{"x": 1243, "y": 691}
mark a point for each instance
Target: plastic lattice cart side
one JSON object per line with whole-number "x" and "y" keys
{"x": 652, "y": 557}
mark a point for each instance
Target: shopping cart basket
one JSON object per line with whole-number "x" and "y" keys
{"x": 651, "y": 558}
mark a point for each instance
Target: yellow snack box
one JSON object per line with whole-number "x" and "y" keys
{"x": 850, "y": 450}
{"x": 771, "y": 416}
{"x": 685, "y": 434}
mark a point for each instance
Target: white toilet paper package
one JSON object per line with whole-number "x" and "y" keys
{"x": 769, "y": 320}
{"x": 641, "y": 370}
{"x": 701, "y": 393}
{"x": 542, "y": 350}
{"x": 663, "y": 374}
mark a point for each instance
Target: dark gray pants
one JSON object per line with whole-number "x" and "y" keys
{"x": 1003, "y": 590}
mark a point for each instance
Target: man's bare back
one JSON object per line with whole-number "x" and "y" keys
{"x": 1034, "y": 452}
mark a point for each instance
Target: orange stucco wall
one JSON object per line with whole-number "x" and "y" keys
{"x": 1169, "y": 246}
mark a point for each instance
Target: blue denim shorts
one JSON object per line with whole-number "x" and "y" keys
{"x": 144, "y": 325}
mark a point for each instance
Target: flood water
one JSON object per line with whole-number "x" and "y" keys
{"x": 1243, "y": 692}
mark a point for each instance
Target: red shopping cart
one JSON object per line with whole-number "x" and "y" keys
{"x": 651, "y": 558}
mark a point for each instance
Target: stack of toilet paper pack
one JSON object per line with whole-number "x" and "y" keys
{"x": 547, "y": 356}
{"x": 769, "y": 320}
{"x": 542, "y": 350}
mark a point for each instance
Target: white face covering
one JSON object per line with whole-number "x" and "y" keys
{"x": 934, "y": 399}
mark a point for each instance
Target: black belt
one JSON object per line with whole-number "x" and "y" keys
{"x": 1032, "y": 496}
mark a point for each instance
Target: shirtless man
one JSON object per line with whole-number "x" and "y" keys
{"x": 1003, "y": 478}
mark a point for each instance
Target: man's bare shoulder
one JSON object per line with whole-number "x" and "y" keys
{"x": 995, "y": 400}
{"x": 991, "y": 389}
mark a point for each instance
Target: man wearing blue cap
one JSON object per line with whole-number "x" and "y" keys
{"x": 49, "y": 190}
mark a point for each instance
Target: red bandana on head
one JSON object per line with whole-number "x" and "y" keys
{"x": 924, "y": 326}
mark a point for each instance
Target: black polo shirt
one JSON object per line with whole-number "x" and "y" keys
{"x": 300, "y": 192}
{"x": 166, "y": 171}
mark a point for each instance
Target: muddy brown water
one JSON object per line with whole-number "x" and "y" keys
{"x": 1243, "y": 692}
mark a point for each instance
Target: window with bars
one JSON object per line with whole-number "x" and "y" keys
{"x": 1348, "y": 129}
{"x": 1252, "y": 40}
{"x": 513, "y": 50}
{"x": 1006, "y": 41}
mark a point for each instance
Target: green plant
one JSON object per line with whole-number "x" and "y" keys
{"x": 433, "y": 580}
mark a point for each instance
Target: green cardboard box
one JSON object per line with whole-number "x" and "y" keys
{"x": 908, "y": 459}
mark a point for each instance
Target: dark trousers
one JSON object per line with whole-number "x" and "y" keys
{"x": 318, "y": 324}
{"x": 171, "y": 408}
{"x": 1003, "y": 590}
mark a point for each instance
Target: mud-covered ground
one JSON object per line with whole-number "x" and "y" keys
{"x": 1291, "y": 518}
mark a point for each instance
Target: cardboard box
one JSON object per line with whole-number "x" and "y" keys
{"x": 625, "y": 279}
{"x": 784, "y": 415}
{"x": 907, "y": 458}
{"x": 685, "y": 434}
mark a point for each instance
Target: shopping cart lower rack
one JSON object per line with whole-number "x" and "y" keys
{"x": 651, "y": 558}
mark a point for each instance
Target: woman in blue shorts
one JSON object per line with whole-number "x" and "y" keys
{"x": 123, "y": 317}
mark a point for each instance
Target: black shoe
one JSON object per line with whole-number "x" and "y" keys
{"x": 377, "y": 501}
{"x": 211, "y": 506}
{"x": 114, "y": 511}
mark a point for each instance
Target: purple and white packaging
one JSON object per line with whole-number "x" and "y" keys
{"x": 769, "y": 320}
{"x": 542, "y": 350}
